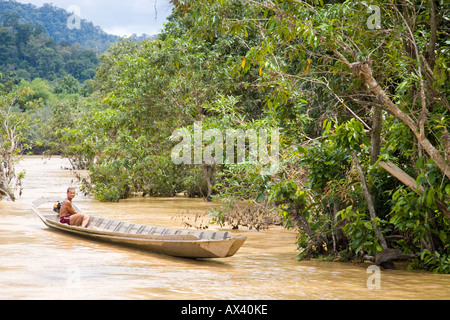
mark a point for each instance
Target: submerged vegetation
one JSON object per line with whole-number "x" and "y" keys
{"x": 357, "y": 90}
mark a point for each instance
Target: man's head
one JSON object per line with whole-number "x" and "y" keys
{"x": 70, "y": 193}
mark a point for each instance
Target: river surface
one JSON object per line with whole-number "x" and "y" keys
{"x": 38, "y": 263}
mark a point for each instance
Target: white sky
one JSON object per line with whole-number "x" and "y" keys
{"x": 119, "y": 17}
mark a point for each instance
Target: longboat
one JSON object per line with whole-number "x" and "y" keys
{"x": 173, "y": 242}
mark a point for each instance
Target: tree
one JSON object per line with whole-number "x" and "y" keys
{"x": 67, "y": 85}
{"x": 343, "y": 92}
{"x": 54, "y": 21}
{"x": 13, "y": 125}
{"x": 344, "y": 45}
{"x": 28, "y": 51}
{"x": 331, "y": 52}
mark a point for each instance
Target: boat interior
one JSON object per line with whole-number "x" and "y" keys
{"x": 100, "y": 224}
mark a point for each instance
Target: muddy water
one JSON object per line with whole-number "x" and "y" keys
{"x": 38, "y": 263}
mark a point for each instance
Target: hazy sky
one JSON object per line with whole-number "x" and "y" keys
{"x": 120, "y": 17}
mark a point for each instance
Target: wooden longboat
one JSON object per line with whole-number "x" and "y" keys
{"x": 174, "y": 242}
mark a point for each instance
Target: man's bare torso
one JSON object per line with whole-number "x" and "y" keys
{"x": 66, "y": 208}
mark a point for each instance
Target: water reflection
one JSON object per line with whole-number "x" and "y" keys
{"x": 38, "y": 263}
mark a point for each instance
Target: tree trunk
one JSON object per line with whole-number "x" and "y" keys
{"x": 333, "y": 218}
{"x": 369, "y": 200}
{"x": 377, "y": 124}
{"x": 5, "y": 188}
{"x": 303, "y": 224}
{"x": 209, "y": 173}
{"x": 385, "y": 259}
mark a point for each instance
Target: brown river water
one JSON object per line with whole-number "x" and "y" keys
{"x": 38, "y": 263}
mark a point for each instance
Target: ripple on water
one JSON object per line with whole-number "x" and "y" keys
{"x": 38, "y": 263}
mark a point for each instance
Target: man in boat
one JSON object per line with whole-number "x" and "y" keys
{"x": 67, "y": 213}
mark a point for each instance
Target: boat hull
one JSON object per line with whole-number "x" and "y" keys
{"x": 180, "y": 243}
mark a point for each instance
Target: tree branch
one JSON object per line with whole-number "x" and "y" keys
{"x": 433, "y": 28}
{"x": 411, "y": 183}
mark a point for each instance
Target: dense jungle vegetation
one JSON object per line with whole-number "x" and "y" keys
{"x": 358, "y": 91}
{"x": 53, "y": 22}
{"x": 26, "y": 52}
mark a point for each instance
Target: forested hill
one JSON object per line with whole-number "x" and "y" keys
{"x": 54, "y": 23}
{"x": 38, "y": 42}
{"x": 26, "y": 52}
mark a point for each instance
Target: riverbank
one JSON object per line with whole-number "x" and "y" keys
{"x": 38, "y": 263}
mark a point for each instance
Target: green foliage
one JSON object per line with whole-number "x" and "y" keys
{"x": 53, "y": 21}
{"x": 435, "y": 262}
{"x": 67, "y": 85}
{"x": 13, "y": 140}
{"x": 349, "y": 135}
{"x": 326, "y": 163}
{"x": 32, "y": 54}
{"x": 304, "y": 68}
{"x": 358, "y": 228}
{"x": 289, "y": 197}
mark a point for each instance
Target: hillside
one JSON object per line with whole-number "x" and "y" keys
{"x": 54, "y": 23}
{"x": 27, "y": 52}
{"x": 36, "y": 42}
